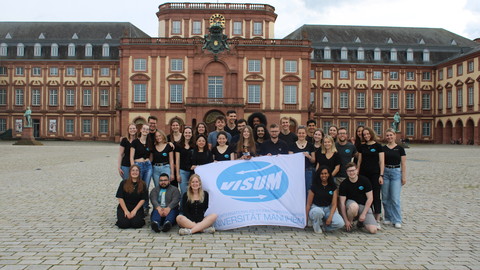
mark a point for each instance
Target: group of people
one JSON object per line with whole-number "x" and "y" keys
{"x": 351, "y": 174}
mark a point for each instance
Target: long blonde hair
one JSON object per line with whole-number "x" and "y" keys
{"x": 251, "y": 141}
{"x": 334, "y": 148}
{"x": 128, "y": 131}
{"x": 201, "y": 194}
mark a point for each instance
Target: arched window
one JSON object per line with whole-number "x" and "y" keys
{"x": 3, "y": 49}
{"x": 71, "y": 49}
{"x": 54, "y": 50}
{"x": 344, "y": 53}
{"x": 377, "y": 54}
{"x": 20, "y": 49}
{"x": 426, "y": 55}
{"x": 88, "y": 50}
{"x": 37, "y": 49}
{"x": 410, "y": 55}
{"x": 327, "y": 54}
{"x": 105, "y": 50}
{"x": 393, "y": 54}
{"x": 361, "y": 54}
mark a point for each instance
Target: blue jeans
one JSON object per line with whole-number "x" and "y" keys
{"x": 145, "y": 175}
{"x": 392, "y": 186}
{"x": 185, "y": 175}
{"x": 172, "y": 216}
{"x": 309, "y": 171}
{"x": 158, "y": 170}
{"x": 126, "y": 172}
{"x": 319, "y": 214}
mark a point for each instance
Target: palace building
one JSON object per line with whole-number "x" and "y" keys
{"x": 87, "y": 81}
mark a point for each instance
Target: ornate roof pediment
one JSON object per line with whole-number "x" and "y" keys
{"x": 393, "y": 87}
{"x": 458, "y": 83}
{"x": 448, "y": 85}
{"x": 469, "y": 80}
{"x": 254, "y": 78}
{"x": 290, "y": 78}
{"x": 36, "y": 83}
{"x": 327, "y": 86}
{"x": 139, "y": 77}
{"x": 17, "y": 83}
{"x": 176, "y": 77}
{"x": 3, "y": 82}
{"x": 439, "y": 87}
{"x": 104, "y": 83}
{"x": 361, "y": 86}
{"x": 70, "y": 83}
{"x": 53, "y": 83}
{"x": 426, "y": 87}
{"x": 378, "y": 86}
{"x": 86, "y": 83}
{"x": 410, "y": 87}
{"x": 344, "y": 86}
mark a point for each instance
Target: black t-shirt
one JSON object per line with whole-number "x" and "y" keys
{"x": 141, "y": 150}
{"x": 201, "y": 158}
{"x": 308, "y": 148}
{"x": 223, "y": 156}
{"x": 290, "y": 138}
{"x": 370, "y": 158}
{"x": 269, "y": 147}
{"x": 233, "y": 131}
{"x": 126, "y": 151}
{"x": 132, "y": 199}
{"x": 322, "y": 160}
{"x": 194, "y": 211}
{"x": 162, "y": 156}
{"x": 185, "y": 157}
{"x": 323, "y": 194}
{"x": 346, "y": 153}
{"x": 393, "y": 156}
{"x": 356, "y": 191}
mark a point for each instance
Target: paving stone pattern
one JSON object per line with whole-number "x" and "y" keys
{"x": 58, "y": 212}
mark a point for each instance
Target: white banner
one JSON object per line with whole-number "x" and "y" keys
{"x": 268, "y": 190}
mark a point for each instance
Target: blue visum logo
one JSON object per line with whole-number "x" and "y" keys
{"x": 254, "y": 181}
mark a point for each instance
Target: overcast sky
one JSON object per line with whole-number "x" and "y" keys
{"x": 459, "y": 16}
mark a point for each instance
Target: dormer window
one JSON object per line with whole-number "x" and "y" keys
{"x": 361, "y": 54}
{"x": 71, "y": 49}
{"x": 327, "y": 54}
{"x": 106, "y": 50}
{"x": 3, "y": 49}
{"x": 20, "y": 49}
{"x": 37, "y": 49}
{"x": 393, "y": 54}
{"x": 426, "y": 55}
{"x": 54, "y": 49}
{"x": 377, "y": 54}
{"x": 410, "y": 55}
{"x": 88, "y": 50}
{"x": 344, "y": 53}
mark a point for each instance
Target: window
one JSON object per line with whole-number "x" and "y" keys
{"x": 410, "y": 101}
{"x": 176, "y": 93}
{"x": 70, "y": 71}
{"x": 88, "y": 50}
{"x": 377, "y": 127}
{"x": 449, "y": 72}
{"x": 3, "y": 97}
{"x": 87, "y": 97}
{"x": 344, "y": 124}
{"x": 470, "y": 95}
{"x": 254, "y": 65}
{"x": 290, "y": 94}
{"x": 237, "y": 28}
{"x": 69, "y": 126}
{"x": 37, "y": 49}
{"x": 215, "y": 87}
{"x": 54, "y": 50}
{"x": 470, "y": 66}
{"x": 459, "y": 97}
{"x": 393, "y": 54}
{"x": 361, "y": 100}
{"x": 326, "y": 126}
{"x": 104, "y": 71}
{"x": 35, "y": 97}
{"x": 361, "y": 54}
{"x": 327, "y": 100}
{"x": 449, "y": 99}
{"x": 20, "y": 49}
{"x": 71, "y": 49}
{"x": 426, "y": 102}
{"x": 87, "y": 71}
{"x": 104, "y": 97}
{"x": 312, "y": 97}
{"x": 426, "y": 129}
{"x": 377, "y": 75}
{"x": 254, "y": 93}
{"x": 393, "y": 75}
{"x": 377, "y": 56}
{"x": 327, "y": 53}
{"x": 176, "y": 65}
{"x": 410, "y": 55}
{"x": 53, "y": 97}
{"x": 426, "y": 75}
{"x": 53, "y": 71}
{"x": 87, "y": 126}
{"x": 410, "y": 76}
{"x": 105, "y": 50}
{"x": 257, "y": 28}
{"x": 139, "y": 64}
{"x": 426, "y": 55}
{"x": 103, "y": 126}
{"x": 440, "y": 100}
{"x": 176, "y": 27}
{"x": 343, "y": 74}
{"x": 3, "y": 70}
{"x": 312, "y": 74}
{"x": 3, "y": 124}
{"x": 344, "y": 53}
{"x": 196, "y": 27}
{"x": 343, "y": 100}
{"x": 290, "y": 66}
{"x": 360, "y": 123}
{"x": 377, "y": 100}
{"x": 140, "y": 92}
{"x": 410, "y": 129}
{"x": 327, "y": 74}
{"x": 70, "y": 97}
{"x": 360, "y": 74}
{"x": 36, "y": 71}
{"x": 3, "y": 49}
{"x": 18, "y": 97}
{"x": 440, "y": 75}
{"x": 459, "y": 69}
{"x": 393, "y": 100}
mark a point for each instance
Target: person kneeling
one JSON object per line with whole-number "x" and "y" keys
{"x": 194, "y": 204}
{"x": 322, "y": 202}
{"x": 131, "y": 194}
{"x": 356, "y": 199}
{"x": 165, "y": 199}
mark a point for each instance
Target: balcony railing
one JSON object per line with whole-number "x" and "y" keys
{"x": 224, "y": 6}
{"x": 220, "y": 102}
{"x": 234, "y": 42}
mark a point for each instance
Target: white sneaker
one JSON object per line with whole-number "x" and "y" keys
{"x": 184, "y": 231}
{"x": 210, "y": 229}
{"x": 379, "y": 227}
{"x": 398, "y": 225}
{"x": 387, "y": 222}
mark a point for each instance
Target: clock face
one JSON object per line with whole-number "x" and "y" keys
{"x": 217, "y": 18}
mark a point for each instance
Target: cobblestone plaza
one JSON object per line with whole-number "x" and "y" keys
{"x": 58, "y": 212}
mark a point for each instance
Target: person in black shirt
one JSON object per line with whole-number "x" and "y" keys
{"x": 356, "y": 199}
{"x": 328, "y": 155}
{"x": 183, "y": 159}
{"x": 311, "y": 127}
{"x": 302, "y": 146}
{"x": 124, "y": 154}
{"x": 152, "y": 126}
{"x": 274, "y": 146}
{"x": 201, "y": 129}
{"x": 246, "y": 146}
{"x": 131, "y": 194}
{"x": 201, "y": 155}
{"x": 322, "y": 203}
{"x": 162, "y": 158}
{"x": 194, "y": 204}
{"x": 285, "y": 133}
{"x": 394, "y": 178}
{"x": 140, "y": 155}
{"x": 261, "y": 135}
{"x": 223, "y": 151}
{"x": 231, "y": 126}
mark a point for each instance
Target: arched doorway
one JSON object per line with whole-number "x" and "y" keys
{"x": 448, "y": 132}
{"x": 210, "y": 117}
{"x": 469, "y": 132}
{"x": 459, "y": 132}
{"x": 439, "y": 132}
